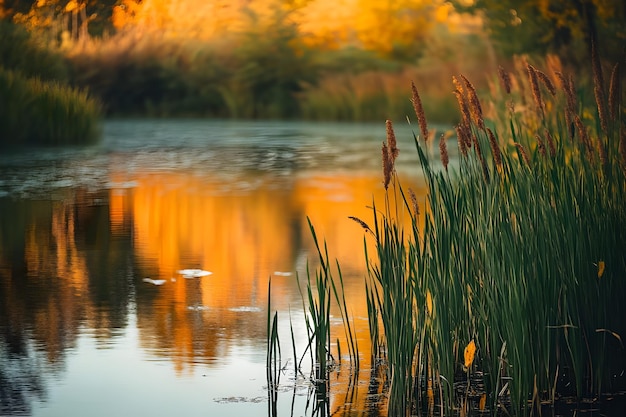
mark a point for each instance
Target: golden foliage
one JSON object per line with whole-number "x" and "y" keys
{"x": 382, "y": 27}
{"x": 470, "y": 351}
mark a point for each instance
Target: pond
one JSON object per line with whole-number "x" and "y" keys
{"x": 97, "y": 316}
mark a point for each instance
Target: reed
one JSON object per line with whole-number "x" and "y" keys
{"x": 511, "y": 265}
{"x": 35, "y": 112}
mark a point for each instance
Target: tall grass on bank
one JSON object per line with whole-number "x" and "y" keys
{"x": 259, "y": 72}
{"x": 44, "y": 113}
{"x": 516, "y": 280}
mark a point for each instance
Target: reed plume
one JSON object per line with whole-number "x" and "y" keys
{"x": 391, "y": 142}
{"x": 387, "y": 166}
{"x": 540, "y": 145}
{"x": 419, "y": 111}
{"x": 622, "y": 145}
{"x": 458, "y": 85}
{"x": 602, "y": 152}
{"x": 443, "y": 151}
{"x": 465, "y": 113}
{"x": 416, "y": 207}
{"x": 476, "y": 109}
{"x": 461, "y": 139}
{"x": 362, "y": 223}
{"x": 598, "y": 87}
{"x": 584, "y": 134}
{"x": 505, "y": 78}
{"x": 523, "y": 153}
{"x": 614, "y": 91}
{"x": 534, "y": 85}
{"x": 495, "y": 149}
{"x": 567, "y": 84}
{"x": 546, "y": 82}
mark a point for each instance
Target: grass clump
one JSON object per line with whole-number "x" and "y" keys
{"x": 35, "y": 112}
{"x": 507, "y": 293}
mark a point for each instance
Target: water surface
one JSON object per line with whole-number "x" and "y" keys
{"x": 87, "y": 232}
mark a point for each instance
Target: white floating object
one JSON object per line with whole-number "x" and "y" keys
{"x": 194, "y": 273}
{"x": 282, "y": 274}
{"x": 245, "y": 309}
{"x": 154, "y": 281}
{"x": 197, "y": 308}
{"x": 173, "y": 279}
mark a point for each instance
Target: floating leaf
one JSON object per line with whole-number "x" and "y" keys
{"x": 154, "y": 281}
{"x": 194, "y": 273}
{"x": 600, "y": 269}
{"x": 470, "y": 351}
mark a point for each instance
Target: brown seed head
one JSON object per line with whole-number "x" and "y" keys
{"x": 419, "y": 111}
{"x": 461, "y": 139}
{"x": 584, "y": 134}
{"x": 391, "y": 142}
{"x": 465, "y": 113}
{"x": 443, "y": 151}
{"x": 546, "y": 82}
{"x": 534, "y": 85}
{"x": 568, "y": 89}
{"x": 475, "y": 107}
{"x": 361, "y": 222}
{"x": 416, "y": 207}
{"x": 505, "y": 78}
{"x": 614, "y": 91}
{"x": 457, "y": 85}
{"x": 602, "y": 152}
{"x": 387, "y": 166}
{"x": 622, "y": 145}
{"x": 540, "y": 145}
{"x": 523, "y": 153}
{"x": 495, "y": 149}
{"x": 600, "y": 103}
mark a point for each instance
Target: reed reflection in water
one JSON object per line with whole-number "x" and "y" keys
{"x": 77, "y": 317}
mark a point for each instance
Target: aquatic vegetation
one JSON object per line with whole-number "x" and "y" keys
{"x": 508, "y": 293}
{"x": 45, "y": 113}
{"x": 514, "y": 241}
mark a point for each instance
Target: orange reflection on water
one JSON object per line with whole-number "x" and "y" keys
{"x": 242, "y": 235}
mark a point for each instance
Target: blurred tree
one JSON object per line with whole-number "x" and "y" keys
{"x": 543, "y": 26}
{"x": 59, "y": 19}
{"x": 22, "y": 52}
{"x": 273, "y": 63}
{"x": 8, "y": 8}
{"x": 391, "y": 28}
{"x": 395, "y": 29}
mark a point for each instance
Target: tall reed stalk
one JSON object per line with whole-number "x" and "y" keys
{"x": 519, "y": 257}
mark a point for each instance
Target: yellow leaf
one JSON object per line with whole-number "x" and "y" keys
{"x": 470, "y": 351}
{"x": 482, "y": 402}
{"x": 600, "y": 269}
{"x": 429, "y": 303}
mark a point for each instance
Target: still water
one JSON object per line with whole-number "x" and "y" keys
{"x": 87, "y": 232}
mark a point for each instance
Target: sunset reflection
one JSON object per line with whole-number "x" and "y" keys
{"x": 243, "y": 237}
{"x": 88, "y": 254}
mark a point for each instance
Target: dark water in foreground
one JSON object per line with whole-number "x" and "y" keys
{"x": 86, "y": 233}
